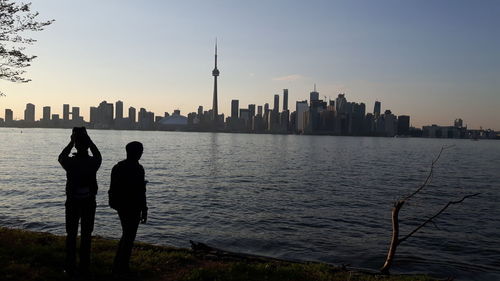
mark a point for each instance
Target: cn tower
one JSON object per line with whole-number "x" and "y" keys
{"x": 215, "y": 73}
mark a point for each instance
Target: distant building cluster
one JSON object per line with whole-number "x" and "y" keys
{"x": 315, "y": 117}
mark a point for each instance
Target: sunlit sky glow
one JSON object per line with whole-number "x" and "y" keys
{"x": 432, "y": 60}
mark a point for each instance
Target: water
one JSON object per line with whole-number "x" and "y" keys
{"x": 314, "y": 198}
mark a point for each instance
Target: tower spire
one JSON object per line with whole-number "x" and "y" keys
{"x": 215, "y": 74}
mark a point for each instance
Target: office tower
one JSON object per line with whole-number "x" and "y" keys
{"x": 94, "y": 115}
{"x": 259, "y": 110}
{"x": 132, "y": 114}
{"x": 403, "y": 125}
{"x": 266, "y": 107}
{"x": 75, "y": 113}
{"x": 376, "y": 109}
{"x": 234, "y": 109}
{"x": 390, "y": 123}
{"x": 9, "y": 116}
{"x": 119, "y": 110}
{"x": 46, "y": 113}
{"x": 301, "y": 108}
{"x": 251, "y": 111}
{"x": 276, "y": 103}
{"x": 29, "y": 113}
{"x": 341, "y": 104}
{"x": 55, "y": 117}
{"x": 244, "y": 115}
{"x": 65, "y": 112}
{"x": 458, "y": 123}
{"x": 200, "y": 110}
{"x": 215, "y": 74}
{"x": 285, "y": 99}
{"x": 314, "y": 95}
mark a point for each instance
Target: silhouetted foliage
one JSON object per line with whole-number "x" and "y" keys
{"x": 15, "y": 19}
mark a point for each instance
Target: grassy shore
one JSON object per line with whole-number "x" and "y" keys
{"x": 26, "y": 255}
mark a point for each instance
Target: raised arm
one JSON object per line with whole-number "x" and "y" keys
{"x": 64, "y": 155}
{"x": 96, "y": 154}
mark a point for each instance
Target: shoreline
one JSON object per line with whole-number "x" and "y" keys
{"x": 29, "y": 255}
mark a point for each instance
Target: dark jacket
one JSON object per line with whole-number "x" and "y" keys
{"x": 81, "y": 172}
{"x": 128, "y": 188}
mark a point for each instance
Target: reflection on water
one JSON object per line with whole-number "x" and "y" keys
{"x": 296, "y": 197}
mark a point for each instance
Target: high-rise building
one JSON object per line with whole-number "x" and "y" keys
{"x": 65, "y": 112}
{"x": 403, "y": 125}
{"x": 376, "y": 109}
{"x": 119, "y": 110}
{"x": 251, "y": 111}
{"x": 75, "y": 113}
{"x": 285, "y": 99}
{"x": 266, "y": 107}
{"x": 215, "y": 74}
{"x": 46, "y": 113}
{"x": 200, "y": 110}
{"x": 276, "y": 107}
{"x": 259, "y": 110}
{"x": 341, "y": 104}
{"x": 132, "y": 113}
{"x": 301, "y": 108}
{"x": 29, "y": 113}
{"x": 94, "y": 115}
{"x": 234, "y": 109}
{"x": 314, "y": 95}
{"x": 459, "y": 123}
{"x": 9, "y": 116}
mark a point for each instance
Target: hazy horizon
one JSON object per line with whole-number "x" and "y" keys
{"x": 434, "y": 61}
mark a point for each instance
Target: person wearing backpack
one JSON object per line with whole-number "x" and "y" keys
{"x": 127, "y": 195}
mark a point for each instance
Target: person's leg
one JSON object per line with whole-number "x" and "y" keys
{"x": 130, "y": 222}
{"x": 88, "y": 215}
{"x": 72, "y": 218}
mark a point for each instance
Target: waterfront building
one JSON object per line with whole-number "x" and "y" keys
{"x": 65, "y": 113}
{"x": 46, "y": 113}
{"x": 390, "y": 124}
{"x": 132, "y": 115}
{"x": 29, "y": 113}
{"x": 9, "y": 116}
{"x": 285, "y": 99}
{"x": 119, "y": 110}
{"x": 259, "y": 110}
{"x": 251, "y": 111}
{"x": 459, "y": 123}
{"x": 403, "y": 125}
{"x": 234, "y": 109}
{"x": 314, "y": 95}
{"x": 301, "y": 108}
{"x": 276, "y": 107}
{"x": 376, "y": 109}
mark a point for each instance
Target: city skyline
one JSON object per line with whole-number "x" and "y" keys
{"x": 420, "y": 58}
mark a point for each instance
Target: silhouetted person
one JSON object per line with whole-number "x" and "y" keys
{"x": 127, "y": 195}
{"x": 81, "y": 189}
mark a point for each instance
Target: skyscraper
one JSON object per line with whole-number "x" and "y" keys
{"x": 46, "y": 113}
{"x": 276, "y": 103}
{"x": 376, "y": 109}
{"x": 285, "y": 99}
{"x": 215, "y": 74}
{"x": 259, "y": 110}
{"x": 9, "y": 116}
{"x": 75, "y": 113}
{"x": 65, "y": 112}
{"x": 119, "y": 110}
{"x": 251, "y": 111}
{"x": 234, "y": 109}
{"x": 132, "y": 114}
{"x": 300, "y": 108}
{"x": 29, "y": 113}
{"x": 314, "y": 95}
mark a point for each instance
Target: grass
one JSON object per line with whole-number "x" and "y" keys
{"x": 26, "y": 255}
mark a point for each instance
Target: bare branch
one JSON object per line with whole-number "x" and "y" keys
{"x": 434, "y": 216}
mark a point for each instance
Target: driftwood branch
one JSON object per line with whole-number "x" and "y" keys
{"x": 395, "y": 241}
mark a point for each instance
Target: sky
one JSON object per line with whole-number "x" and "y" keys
{"x": 432, "y": 60}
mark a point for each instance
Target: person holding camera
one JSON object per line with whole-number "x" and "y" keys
{"x": 81, "y": 190}
{"x": 127, "y": 195}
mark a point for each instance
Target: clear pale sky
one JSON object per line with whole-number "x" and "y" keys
{"x": 432, "y": 60}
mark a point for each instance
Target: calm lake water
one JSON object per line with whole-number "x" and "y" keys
{"x": 318, "y": 198}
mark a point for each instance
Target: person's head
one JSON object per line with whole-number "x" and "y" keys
{"x": 81, "y": 138}
{"x": 134, "y": 150}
